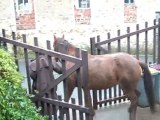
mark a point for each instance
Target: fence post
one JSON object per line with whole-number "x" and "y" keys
{"x": 119, "y": 41}
{"x": 109, "y": 44}
{"x": 15, "y": 50}
{"x": 37, "y": 102}
{"x": 4, "y": 35}
{"x": 78, "y": 79}
{"x": 93, "y": 48}
{"x": 85, "y": 77}
{"x": 53, "y": 91}
{"x": 128, "y": 41}
{"x": 154, "y": 42}
{"x": 158, "y": 41}
{"x": 93, "y": 52}
{"x": 98, "y": 40}
{"x": 63, "y": 50}
{"x": 137, "y": 42}
{"x": 146, "y": 43}
{"x": 27, "y": 65}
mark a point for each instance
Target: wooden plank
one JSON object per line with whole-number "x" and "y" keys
{"x": 111, "y": 99}
{"x": 65, "y": 104}
{"x": 43, "y": 51}
{"x": 74, "y": 116}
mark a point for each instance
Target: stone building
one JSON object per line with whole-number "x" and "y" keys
{"x": 76, "y": 19}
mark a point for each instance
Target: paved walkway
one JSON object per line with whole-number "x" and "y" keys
{"x": 120, "y": 112}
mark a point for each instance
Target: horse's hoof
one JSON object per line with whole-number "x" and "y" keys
{"x": 129, "y": 109}
{"x": 92, "y": 113}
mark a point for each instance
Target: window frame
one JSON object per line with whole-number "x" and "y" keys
{"x": 129, "y": 1}
{"x": 23, "y": 7}
{"x": 23, "y": 4}
{"x": 85, "y": 5}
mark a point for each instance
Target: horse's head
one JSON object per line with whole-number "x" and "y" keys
{"x": 63, "y": 46}
{"x": 57, "y": 42}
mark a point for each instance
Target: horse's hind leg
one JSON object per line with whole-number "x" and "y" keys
{"x": 129, "y": 89}
{"x": 133, "y": 106}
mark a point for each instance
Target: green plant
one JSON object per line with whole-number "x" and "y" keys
{"x": 14, "y": 103}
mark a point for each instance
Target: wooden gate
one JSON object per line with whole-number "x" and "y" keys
{"x": 51, "y": 106}
{"x": 149, "y": 52}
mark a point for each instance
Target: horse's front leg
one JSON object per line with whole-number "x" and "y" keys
{"x": 69, "y": 90}
{"x": 88, "y": 100}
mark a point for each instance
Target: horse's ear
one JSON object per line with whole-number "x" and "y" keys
{"x": 55, "y": 37}
{"x": 55, "y": 40}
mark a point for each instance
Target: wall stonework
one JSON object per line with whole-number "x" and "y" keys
{"x": 7, "y": 14}
{"x": 57, "y": 17}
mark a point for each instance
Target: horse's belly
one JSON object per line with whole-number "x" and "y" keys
{"x": 101, "y": 74}
{"x": 101, "y": 84}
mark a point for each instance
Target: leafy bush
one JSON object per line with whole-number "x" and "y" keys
{"x": 14, "y": 103}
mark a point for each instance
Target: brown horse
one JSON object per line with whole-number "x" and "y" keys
{"x": 110, "y": 69}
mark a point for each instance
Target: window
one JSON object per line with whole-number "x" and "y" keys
{"x": 20, "y": 1}
{"x": 25, "y": 1}
{"x": 128, "y": 1}
{"x": 23, "y": 5}
{"x": 84, "y": 3}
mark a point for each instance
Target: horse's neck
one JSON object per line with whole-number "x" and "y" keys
{"x": 72, "y": 51}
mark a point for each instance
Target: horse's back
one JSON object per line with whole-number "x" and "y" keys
{"x": 110, "y": 69}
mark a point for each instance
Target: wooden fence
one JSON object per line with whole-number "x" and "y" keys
{"x": 50, "y": 105}
{"x": 137, "y": 43}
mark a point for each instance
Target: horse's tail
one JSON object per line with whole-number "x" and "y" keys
{"x": 148, "y": 85}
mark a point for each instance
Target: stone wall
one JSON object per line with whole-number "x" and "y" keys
{"x": 7, "y": 15}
